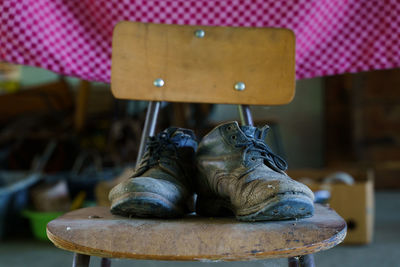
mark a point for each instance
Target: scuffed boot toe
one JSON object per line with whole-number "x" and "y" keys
{"x": 281, "y": 198}
{"x": 282, "y": 207}
{"x": 147, "y": 197}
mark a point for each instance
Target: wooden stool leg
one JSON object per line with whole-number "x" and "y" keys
{"x": 302, "y": 261}
{"x": 245, "y": 115}
{"x": 307, "y": 260}
{"x": 105, "y": 262}
{"x": 277, "y": 139}
{"x": 294, "y": 262}
{"x": 80, "y": 260}
{"x": 149, "y": 126}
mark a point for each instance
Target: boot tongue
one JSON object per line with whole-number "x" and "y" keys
{"x": 170, "y": 132}
{"x": 254, "y": 132}
{"x": 183, "y": 137}
{"x": 249, "y": 131}
{"x": 274, "y": 161}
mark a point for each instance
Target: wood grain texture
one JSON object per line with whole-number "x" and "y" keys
{"x": 203, "y": 70}
{"x": 94, "y": 231}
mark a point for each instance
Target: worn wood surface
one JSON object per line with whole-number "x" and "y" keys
{"x": 95, "y": 231}
{"x": 203, "y": 70}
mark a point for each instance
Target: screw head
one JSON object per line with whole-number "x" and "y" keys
{"x": 158, "y": 82}
{"x": 199, "y": 33}
{"x": 240, "y": 86}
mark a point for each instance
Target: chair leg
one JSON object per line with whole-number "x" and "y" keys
{"x": 277, "y": 139}
{"x": 294, "y": 262}
{"x": 307, "y": 260}
{"x": 302, "y": 261}
{"x": 245, "y": 115}
{"x": 105, "y": 262}
{"x": 80, "y": 260}
{"x": 149, "y": 126}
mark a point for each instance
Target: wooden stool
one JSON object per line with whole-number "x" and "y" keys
{"x": 244, "y": 66}
{"x": 95, "y": 231}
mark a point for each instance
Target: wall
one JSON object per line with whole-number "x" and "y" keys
{"x": 301, "y": 123}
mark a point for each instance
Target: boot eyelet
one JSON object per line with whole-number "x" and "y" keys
{"x": 253, "y": 159}
{"x": 233, "y": 137}
{"x": 229, "y": 128}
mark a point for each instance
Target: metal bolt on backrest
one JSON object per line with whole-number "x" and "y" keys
{"x": 240, "y": 86}
{"x": 158, "y": 82}
{"x": 199, "y": 33}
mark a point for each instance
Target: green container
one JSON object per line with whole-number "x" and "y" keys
{"x": 39, "y": 220}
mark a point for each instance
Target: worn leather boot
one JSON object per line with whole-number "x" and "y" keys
{"x": 162, "y": 182}
{"x": 238, "y": 173}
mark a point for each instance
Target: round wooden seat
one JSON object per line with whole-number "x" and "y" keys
{"x": 95, "y": 231}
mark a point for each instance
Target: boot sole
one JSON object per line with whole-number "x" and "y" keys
{"x": 284, "y": 206}
{"x": 145, "y": 204}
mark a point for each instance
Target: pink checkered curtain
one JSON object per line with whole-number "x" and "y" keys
{"x": 74, "y": 37}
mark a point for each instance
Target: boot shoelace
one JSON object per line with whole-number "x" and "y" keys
{"x": 156, "y": 146}
{"x": 258, "y": 144}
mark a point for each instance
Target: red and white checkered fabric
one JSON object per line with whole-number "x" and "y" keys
{"x": 74, "y": 37}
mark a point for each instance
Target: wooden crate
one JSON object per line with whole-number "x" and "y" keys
{"x": 355, "y": 203}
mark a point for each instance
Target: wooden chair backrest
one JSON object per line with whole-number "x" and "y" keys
{"x": 203, "y": 69}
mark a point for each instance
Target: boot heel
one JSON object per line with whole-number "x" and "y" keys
{"x": 212, "y": 206}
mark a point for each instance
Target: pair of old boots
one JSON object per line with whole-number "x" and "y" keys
{"x": 232, "y": 171}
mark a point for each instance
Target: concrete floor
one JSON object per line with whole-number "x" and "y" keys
{"x": 384, "y": 251}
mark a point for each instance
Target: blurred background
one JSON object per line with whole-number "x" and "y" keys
{"x": 65, "y": 142}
